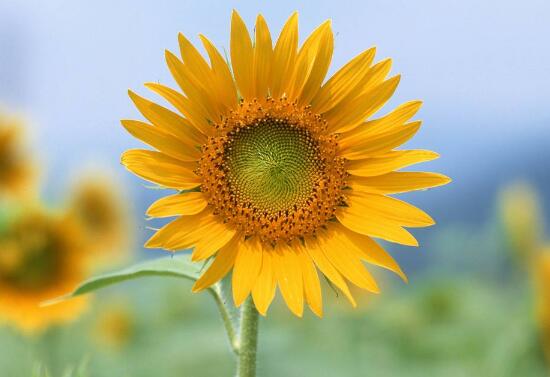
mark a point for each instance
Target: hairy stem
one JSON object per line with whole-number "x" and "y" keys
{"x": 248, "y": 340}
{"x": 227, "y": 319}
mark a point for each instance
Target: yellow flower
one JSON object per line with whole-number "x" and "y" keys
{"x": 16, "y": 170}
{"x": 279, "y": 171}
{"x": 97, "y": 207}
{"x": 542, "y": 269}
{"x": 115, "y": 326}
{"x": 521, "y": 218}
{"x": 41, "y": 257}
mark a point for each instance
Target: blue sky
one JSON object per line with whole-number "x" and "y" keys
{"x": 481, "y": 67}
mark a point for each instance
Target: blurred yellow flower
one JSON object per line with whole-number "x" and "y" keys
{"x": 41, "y": 257}
{"x": 280, "y": 173}
{"x": 542, "y": 267}
{"x": 115, "y": 326}
{"x": 521, "y": 218}
{"x": 97, "y": 207}
{"x": 16, "y": 170}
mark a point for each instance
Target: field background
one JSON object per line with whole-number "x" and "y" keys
{"x": 481, "y": 69}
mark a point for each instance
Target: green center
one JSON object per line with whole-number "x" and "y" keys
{"x": 272, "y": 165}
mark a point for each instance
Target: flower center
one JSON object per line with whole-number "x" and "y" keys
{"x": 29, "y": 257}
{"x": 272, "y": 164}
{"x": 271, "y": 170}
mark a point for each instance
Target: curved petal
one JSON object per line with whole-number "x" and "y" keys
{"x": 357, "y": 216}
{"x": 388, "y": 162}
{"x": 394, "y": 119}
{"x": 181, "y": 227}
{"x": 195, "y": 119}
{"x": 263, "y": 290}
{"x": 197, "y": 94}
{"x": 189, "y": 203}
{"x": 225, "y": 83}
{"x": 246, "y": 270}
{"x": 242, "y": 56}
{"x": 314, "y": 250}
{"x": 341, "y": 83}
{"x": 289, "y": 277}
{"x": 312, "y": 64}
{"x": 219, "y": 234}
{"x": 362, "y": 107}
{"x": 368, "y": 250}
{"x": 391, "y": 209}
{"x": 263, "y": 57}
{"x": 348, "y": 264}
{"x": 382, "y": 142}
{"x": 223, "y": 262}
{"x": 312, "y": 286}
{"x": 158, "y": 168}
{"x": 396, "y": 182}
{"x": 284, "y": 57}
{"x": 167, "y": 120}
{"x": 164, "y": 142}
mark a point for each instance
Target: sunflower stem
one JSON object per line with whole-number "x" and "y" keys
{"x": 227, "y": 318}
{"x": 248, "y": 340}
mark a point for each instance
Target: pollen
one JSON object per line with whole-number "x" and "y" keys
{"x": 271, "y": 170}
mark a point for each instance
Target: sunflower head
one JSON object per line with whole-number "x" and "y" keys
{"x": 115, "y": 326}
{"x": 542, "y": 279}
{"x": 521, "y": 219}
{"x": 98, "y": 209}
{"x": 40, "y": 258}
{"x": 16, "y": 169}
{"x": 280, "y": 173}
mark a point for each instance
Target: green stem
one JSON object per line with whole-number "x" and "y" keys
{"x": 248, "y": 340}
{"x": 227, "y": 319}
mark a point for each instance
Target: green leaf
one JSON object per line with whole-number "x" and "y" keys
{"x": 178, "y": 267}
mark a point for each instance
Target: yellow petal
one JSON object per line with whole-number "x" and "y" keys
{"x": 242, "y": 56}
{"x": 246, "y": 270}
{"x": 225, "y": 83}
{"x": 219, "y": 234}
{"x": 388, "y": 162}
{"x": 368, "y": 250}
{"x": 284, "y": 57}
{"x": 164, "y": 142}
{"x": 182, "y": 226}
{"x": 198, "y": 95}
{"x": 189, "y": 203}
{"x": 158, "y": 168}
{"x": 394, "y": 119}
{"x": 382, "y": 142}
{"x": 348, "y": 264}
{"x": 396, "y": 182}
{"x": 314, "y": 56}
{"x": 167, "y": 120}
{"x": 263, "y": 291}
{"x": 289, "y": 277}
{"x": 312, "y": 286}
{"x": 362, "y": 107}
{"x": 196, "y": 120}
{"x": 319, "y": 68}
{"x": 341, "y": 83}
{"x": 314, "y": 250}
{"x": 391, "y": 209}
{"x": 223, "y": 262}
{"x": 263, "y": 56}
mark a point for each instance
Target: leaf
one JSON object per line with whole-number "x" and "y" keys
{"x": 179, "y": 267}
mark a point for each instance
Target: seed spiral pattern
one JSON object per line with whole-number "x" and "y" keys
{"x": 271, "y": 170}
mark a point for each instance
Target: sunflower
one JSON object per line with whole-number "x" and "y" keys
{"x": 16, "y": 170}
{"x": 97, "y": 208}
{"x": 279, "y": 172}
{"x": 542, "y": 269}
{"x": 41, "y": 257}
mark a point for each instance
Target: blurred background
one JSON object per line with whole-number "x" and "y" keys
{"x": 475, "y": 302}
